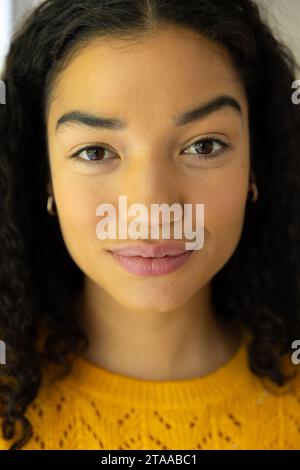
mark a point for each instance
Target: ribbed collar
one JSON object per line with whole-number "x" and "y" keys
{"x": 232, "y": 378}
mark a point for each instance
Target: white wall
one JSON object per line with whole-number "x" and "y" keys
{"x": 11, "y": 11}
{"x": 5, "y": 28}
{"x": 284, "y": 17}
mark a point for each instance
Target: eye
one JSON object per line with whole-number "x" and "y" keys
{"x": 209, "y": 147}
{"x": 94, "y": 154}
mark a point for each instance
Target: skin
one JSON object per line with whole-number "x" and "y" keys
{"x": 151, "y": 327}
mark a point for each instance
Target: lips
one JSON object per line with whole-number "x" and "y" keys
{"x": 146, "y": 250}
{"x": 151, "y": 259}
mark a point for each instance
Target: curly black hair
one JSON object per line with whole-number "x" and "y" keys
{"x": 39, "y": 281}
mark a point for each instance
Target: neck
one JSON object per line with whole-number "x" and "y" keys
{"x": 183, "y": 343}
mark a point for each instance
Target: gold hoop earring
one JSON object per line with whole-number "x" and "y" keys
{"x": 50, "y": 202}
{"x": 254, "y": 192}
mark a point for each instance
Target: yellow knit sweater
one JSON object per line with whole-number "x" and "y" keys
{"x": 231, "y": 408}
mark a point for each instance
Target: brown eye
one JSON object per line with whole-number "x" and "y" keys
{"x": 205, "y": 146}
{"x": 96, "y": 153}
{"x": 208, "y": 147}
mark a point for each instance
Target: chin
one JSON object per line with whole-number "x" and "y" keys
{"x": 154, "y": 300}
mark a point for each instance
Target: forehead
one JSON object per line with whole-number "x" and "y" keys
{"x": 151, "y": 77}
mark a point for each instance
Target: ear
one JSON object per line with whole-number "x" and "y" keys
{"x": 49, "y": 188}
{"x": 252, "y": 178}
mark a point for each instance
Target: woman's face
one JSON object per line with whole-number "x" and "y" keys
{"x": 152, "y": 160}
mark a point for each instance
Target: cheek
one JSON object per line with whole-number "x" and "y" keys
{"x": 223, "y": 192}
{"x": 225, "y": 212}
{"x": 226, "y": 205}
{"x": 77, "y": 200}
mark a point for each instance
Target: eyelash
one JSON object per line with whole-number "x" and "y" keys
{"x": 225, "y": 146}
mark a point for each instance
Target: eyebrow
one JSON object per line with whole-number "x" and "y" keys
{"x": 202, "y": 111}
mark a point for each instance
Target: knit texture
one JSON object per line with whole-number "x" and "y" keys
{"x": 231, "y": 408}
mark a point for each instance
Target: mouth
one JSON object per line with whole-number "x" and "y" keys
{"x": 151, "y": 259}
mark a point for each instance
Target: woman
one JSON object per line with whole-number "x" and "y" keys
{"x": 159, "y": 348}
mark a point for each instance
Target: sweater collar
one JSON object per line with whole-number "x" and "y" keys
{"x": 234, "y": 377}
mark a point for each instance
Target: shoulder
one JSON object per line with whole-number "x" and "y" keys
{"x": 48, "y": 416}
{"x": 290, "y": 414}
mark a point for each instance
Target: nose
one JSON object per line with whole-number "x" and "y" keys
{"x": 152, "y": 180}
